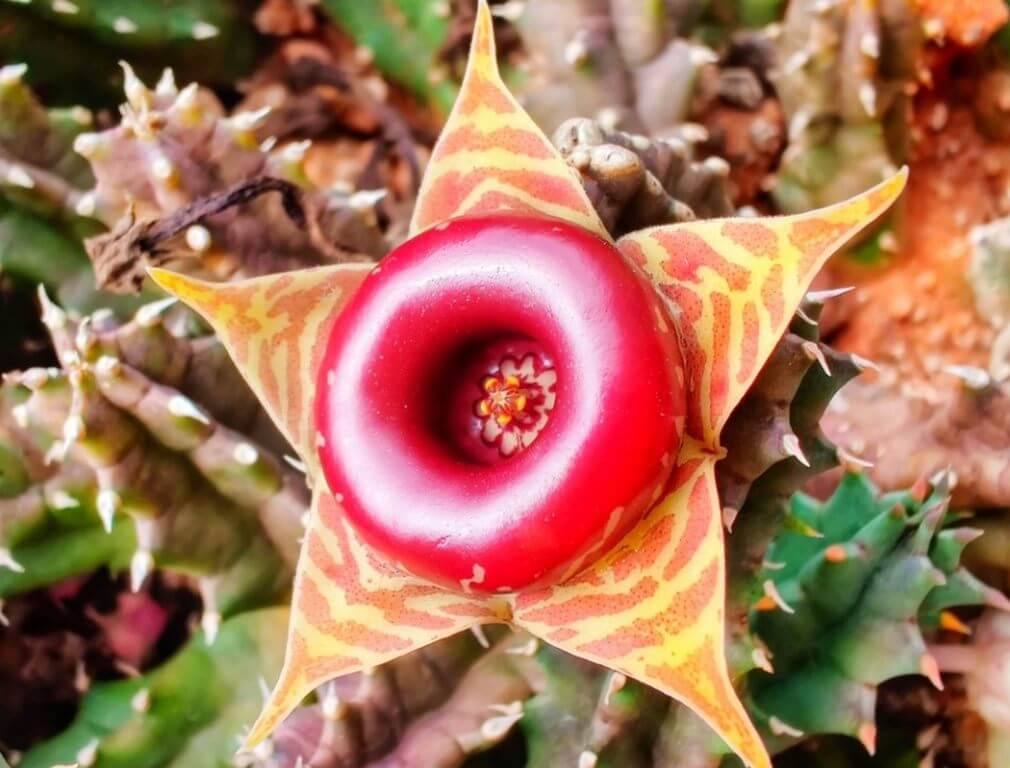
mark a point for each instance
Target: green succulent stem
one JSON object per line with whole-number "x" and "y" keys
{"x": 188, "y": 713}
{"x": 404, "y": 38}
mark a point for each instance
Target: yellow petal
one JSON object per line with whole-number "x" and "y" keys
{"x": 352, "y": 611}
{"x": 491, "y": 156}
{"x": 653, "y": 608}
{"x": 735, "y": 285}
{"x": 275, "y": 328}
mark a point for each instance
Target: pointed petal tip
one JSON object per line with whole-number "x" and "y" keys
{"x": 482, "y": 47}
{"x": 492, "y": 157}
{"x": 189, "y": 290}
{"x": 889, "y": 190}
{"x": 273, "y": 713}
{"x": 877, "y": 200}
{"x": 167, "y": 280}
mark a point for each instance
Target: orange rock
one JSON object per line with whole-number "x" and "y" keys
{"x": 968, "y": 23}
{"x": 916, "y": 314}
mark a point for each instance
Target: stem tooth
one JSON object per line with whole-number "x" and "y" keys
{"x": 124, "y": 26}
{"x": 89, "y": 145}
{"x": 85, "y": 339}
{"x": 166, "y": 84}
{"x": 495, "y": 728}
{"x": 782, "y": 728}
{"x": 250, "y": 119}
{"x": 529, "y": 648}
{"x": 187, "y": 102}
{"x": 478, "y": 632}
{"x": 295, "y": 463}
{"x": 761, "y": 660}
{"x": 86, "y": 205}
{"x": 88, "y": 754}
{"x": 137, "y": 94}
{"x": 819, "y": 297}
{"x": 576, "y": 51}
{"x": 863, "y": 364}
{"x": 204, "y": 30}
{"x": 108, "y": 366}
{"x": 791, "y": 445}
{"x": 772, "y": 599}
{"x": 615, "y": 683}
{"x": 976, "y": 379}
{"x": 141, "y": 565}
{"x": 332, "y": 707}
{"x": 851, "y": 462}
{"x": 19, "y": 177}
{"x": 869, "y": 44}
{"x": 210, "y": 623}
{"x": 73, "y": 430}
{"x": 867, "y": 734}
{"x": 813, "y": 350}
{"x": 511, "y": 10}
{"x": 60, "y": 499}
{"x": 20, "y": 415}
{"x": 805, "y": 317}
{"x": 82, "y": 680}
{"x": 141, "y": 701}
{"x": 11, "y": 74}
{"x": 294, "y": 153}
{"x": 53, "y": 316}
{"x": 108, "y": 503}
{"x": 931, "y": 670}
{"x": 149, "y": 315}
{"x": 182, "y": 407}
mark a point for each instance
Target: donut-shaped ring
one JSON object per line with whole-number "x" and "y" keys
{"x": 500, "y": 402}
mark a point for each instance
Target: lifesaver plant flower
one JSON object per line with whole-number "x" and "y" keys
{"x": 512, "y": 418}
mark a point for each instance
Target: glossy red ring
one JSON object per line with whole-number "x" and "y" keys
{"x": 400, "y": 391}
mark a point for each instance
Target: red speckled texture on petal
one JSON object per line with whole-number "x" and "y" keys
{"x": 492, "y": 157}
{"x": 653, "y": 608}
{"x": 735, "y": 285}
{"x": 352, "y": 611}
{"x": 275, "y": 329}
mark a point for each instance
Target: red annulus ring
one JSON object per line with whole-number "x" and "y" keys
{"x": 501, "y": 401}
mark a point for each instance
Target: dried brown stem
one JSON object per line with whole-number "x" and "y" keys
{"x": 120, "y": 256}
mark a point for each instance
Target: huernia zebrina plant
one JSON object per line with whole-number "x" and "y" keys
{"x": 515, "y": 419}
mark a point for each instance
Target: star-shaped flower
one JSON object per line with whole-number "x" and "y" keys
{"x": 647, "y": 598}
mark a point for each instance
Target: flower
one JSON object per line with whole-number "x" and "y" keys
{"x": 383, "y": 373}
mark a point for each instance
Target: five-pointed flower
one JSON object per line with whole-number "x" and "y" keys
{"x": 375, "y": 401}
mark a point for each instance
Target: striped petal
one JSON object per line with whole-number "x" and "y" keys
{"x": 653, "y": 608}
{"x": 735, "y": 285}
{"x": 491, "y": 156}
{"x": 275, "y": 328}
{"x": 352, "y": 611}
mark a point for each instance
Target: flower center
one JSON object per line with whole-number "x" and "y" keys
{"x": 515, "y": 403}
{"x": 505, "y": 399}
